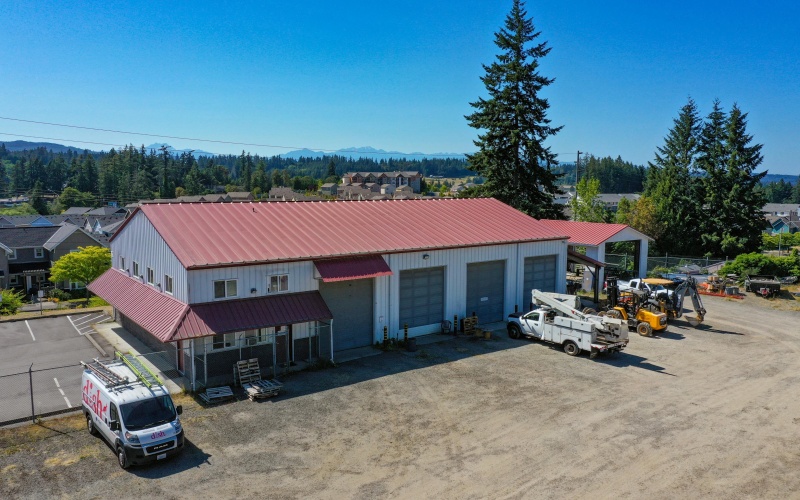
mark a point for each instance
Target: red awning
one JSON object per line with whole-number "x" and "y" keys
{"x": 156, "y": 312}
{"x": 225, "y": 316}
{"x": 579, "y": 258}
{"x": 352, "y": 268}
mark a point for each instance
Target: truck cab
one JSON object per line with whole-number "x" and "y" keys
{"x": 132, "y": 410}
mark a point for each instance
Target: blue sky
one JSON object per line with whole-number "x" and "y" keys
{"x": 392, "y": 75}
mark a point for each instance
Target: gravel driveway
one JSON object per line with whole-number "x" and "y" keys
{"x": 711, "y": 412}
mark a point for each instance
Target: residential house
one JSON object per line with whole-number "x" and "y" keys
{"x": 240, "y": 196}
{"x": 789, "y": 224}
{"x": 33, "y": 251}
{"x": 396, "y": 179}
{"x": 215, "y": 283}
{"x": 780, "y": 209}
{"x": 329, "y": 189}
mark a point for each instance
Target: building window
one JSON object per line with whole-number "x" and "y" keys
{"x": 135, "y": 268}
{"x": 77, "y": 285}
{"x": 224, "y": 288}
{"x": 122, "y": 263}
{"x": 223, "y": 341}
{"x": 13, "y": 280}
{"x": 151, "y": 276}
{"x": 168, "y": 284}
{"x": 13, "y": 255}
{"x": 279, "y": 283}
{"x": 38, "y": 253}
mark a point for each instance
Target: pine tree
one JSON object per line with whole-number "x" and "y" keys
{"x": 711, "y": 162}
{"x": 741, "y": 221}
{"x": 511, "y": 154}
{"x": 673, "y": 188}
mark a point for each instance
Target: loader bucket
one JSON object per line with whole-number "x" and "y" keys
{"x": 694, "y": 321}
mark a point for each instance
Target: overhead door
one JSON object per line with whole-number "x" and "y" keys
{"x": 486, "y": 290}
{"x": 422, "y": 297}
{"x": 350, "y": 303}
{"x": 540, "y": 273}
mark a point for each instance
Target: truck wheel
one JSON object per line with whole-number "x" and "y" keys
{"x": 514, "y": 331}
{"x": 644, "y": 329}
{"x": 90, "y": 425}
{"x": 571, "y": 348}
{"x": 122, "y": 457}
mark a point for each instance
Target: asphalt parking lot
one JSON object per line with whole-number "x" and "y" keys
{"x": 53, "y": 348}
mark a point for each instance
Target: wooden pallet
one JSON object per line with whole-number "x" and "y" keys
{"x": 261, "y": 389}
{"x": 214, "y": 395}
{"x": 246, "y": 371}
{"x": 470, "y": 325}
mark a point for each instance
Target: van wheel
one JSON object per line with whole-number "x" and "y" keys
{"x": 514, "y": 332}
{"x": 122, "y": 458}
{"x": 90, "y": 425}
{"x": 571, "y": 348}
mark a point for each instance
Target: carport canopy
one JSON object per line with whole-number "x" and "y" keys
{"x": 352, "y": 268}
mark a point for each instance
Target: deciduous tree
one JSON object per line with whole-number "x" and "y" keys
{"x": 85, "y": 265}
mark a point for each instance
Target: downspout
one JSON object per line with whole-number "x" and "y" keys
{"x": 331, "y": 339}
{"x": 194, "y": 369}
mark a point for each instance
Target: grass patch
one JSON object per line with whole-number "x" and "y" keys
{"x": 13, "y": 439}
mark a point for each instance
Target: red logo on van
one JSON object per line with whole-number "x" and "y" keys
{"x": 93, "y": 400}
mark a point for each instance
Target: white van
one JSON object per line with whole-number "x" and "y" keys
{"x": 127, "y": 404}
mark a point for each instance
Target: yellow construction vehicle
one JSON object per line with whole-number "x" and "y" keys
{"x": 631, "y": 306}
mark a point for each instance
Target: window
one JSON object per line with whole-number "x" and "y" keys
{"x": 224, "y": 288}
{"x": 14, "y": 279}
{"x": 122, "y": 263}
{"x": 168, "y": 284}
{"x": 77, "y": 285}
{"x": 223, "y": 341}
{"x": 279, "y": 283}
{"x": 151, "y": 276}
{"x": 259, "y": 336}
{"x": 135, "y": 268}
{"x": 13, "y": 255}
{"x": 38, "y": 253}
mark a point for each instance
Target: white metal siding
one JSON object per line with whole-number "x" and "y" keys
{"x": 201, "y": 288}
{"x": 139, "y": 241}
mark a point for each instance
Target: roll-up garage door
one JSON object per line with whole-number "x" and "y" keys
{"x": 350, "y": 303}
{"x": 540, "y": 273}
{"x": 486, "y": 290}
{"x": 422, "y": 297}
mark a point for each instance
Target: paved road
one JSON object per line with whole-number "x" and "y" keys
{"x": 55, "y": 347}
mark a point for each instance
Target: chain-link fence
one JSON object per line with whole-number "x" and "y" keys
{"x": 622, "y": 265}
{"x": 39, "y": 392}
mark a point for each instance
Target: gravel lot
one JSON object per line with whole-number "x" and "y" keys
{"x": 711, "y": 412}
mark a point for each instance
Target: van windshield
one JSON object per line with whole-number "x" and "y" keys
{"x": 147, "y": 412}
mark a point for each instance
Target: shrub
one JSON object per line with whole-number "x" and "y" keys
{"x": 756, "y": 263}
{"x": 10, "y": 302}
{"x": 59, "y": 294}
{"x": 97, "y": 302}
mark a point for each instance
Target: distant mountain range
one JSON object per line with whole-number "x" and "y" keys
{"x": 370, "y": 153}
{"x": 56, "y": 148}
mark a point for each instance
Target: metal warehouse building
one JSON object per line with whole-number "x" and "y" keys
{"x": 213, "y": 283}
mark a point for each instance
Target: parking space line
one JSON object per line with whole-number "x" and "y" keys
{"x": 73, "y": 325}
{"x": 76, "y": 323}
{"x": 81, "y": 317}
{"x": 69, "y": 405}
{"x": 29, "y": 330}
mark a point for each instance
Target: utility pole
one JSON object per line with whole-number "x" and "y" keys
{"x": 577, "y": 167}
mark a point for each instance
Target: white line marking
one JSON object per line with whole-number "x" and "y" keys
{"x": 88, "y": 320}
{"x": 57, "y": 384}
{"x": 81, "y": 317}
{"x": 29, "y": 329}
{"x": 68, "y": 403}
{"x": 73, "y": 325}
{"x": 62, "y": 392}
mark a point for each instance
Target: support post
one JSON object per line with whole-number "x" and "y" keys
{"x": 385, "y": 336}
{"x": 455, "y": 325}
{"x": 405, "y": 333}
{"x": 30, "y": 381}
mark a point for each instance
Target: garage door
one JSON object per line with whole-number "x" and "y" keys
{"x": 422, "y": 297}
{"x": 486, "y": 290}
{"x": 540, "y": 273}
{"x": 350, "y": 303}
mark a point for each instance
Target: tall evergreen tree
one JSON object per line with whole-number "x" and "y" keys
{"x": 673, "y": 188}
{"x": 711, "y": 163}
{"x": 741, "y": 221}
{"x": 513, "y": 123}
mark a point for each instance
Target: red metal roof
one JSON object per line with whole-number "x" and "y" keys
{"x": 224, "y": 316}
{"x": 154, "y": 311}
{"x": 220, "y": 234}
{"x": 584, "y": 233}
{"x": 352, "y": 268}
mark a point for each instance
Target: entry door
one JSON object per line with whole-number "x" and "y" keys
{"x": 486, "y": 287}
{"x": 350, "y": 303}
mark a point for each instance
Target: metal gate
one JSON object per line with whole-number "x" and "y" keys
{"x": 486, "y": 287}
{"x": 350, "y": 303}
{"x": 422, "y": 297}
{"x": 540, "y": 273}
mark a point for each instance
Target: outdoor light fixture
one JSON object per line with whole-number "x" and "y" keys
{"x": 425, "y": 256}
{"x": 253, "y": 290}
